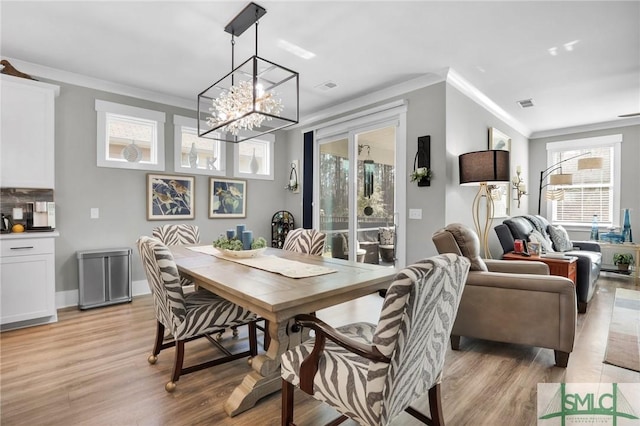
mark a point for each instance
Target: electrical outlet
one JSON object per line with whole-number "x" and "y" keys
{"x": 95, "y": 213}
{"x": 415, "y": 213}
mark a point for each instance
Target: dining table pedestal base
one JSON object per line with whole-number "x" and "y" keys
{"x": 265, "y": 379}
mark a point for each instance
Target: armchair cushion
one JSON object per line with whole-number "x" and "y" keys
{"x": 560, "y": 238}
{"x": 468, "y": 245}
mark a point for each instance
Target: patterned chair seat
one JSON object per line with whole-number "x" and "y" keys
{"x": 207, "y": 312}
{"x": 336, "y": 358}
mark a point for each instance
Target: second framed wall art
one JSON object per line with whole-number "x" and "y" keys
{"x": 227, "y": 198}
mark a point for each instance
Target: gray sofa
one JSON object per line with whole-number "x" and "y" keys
{"x": 588, "y": 253}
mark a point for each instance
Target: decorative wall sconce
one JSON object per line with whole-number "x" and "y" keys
{"x": 422, "y": 162}
{"x": 292, "y": 184}
{"x": 518, "y": 185}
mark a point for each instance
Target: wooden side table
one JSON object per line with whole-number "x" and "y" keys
{"x": 561, "y": 267}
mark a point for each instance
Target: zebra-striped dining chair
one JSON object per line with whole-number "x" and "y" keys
{"x": 187, "y": 316}
{"x": 307, "y": 241}
{"x": 371, "y": 373}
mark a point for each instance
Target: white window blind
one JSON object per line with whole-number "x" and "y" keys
{"x": 593, "y": 191}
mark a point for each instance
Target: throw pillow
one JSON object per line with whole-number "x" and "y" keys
{"x": 545, "y": 242}
{"x": 386, "y": 236}
{"x": 560, "y": 238}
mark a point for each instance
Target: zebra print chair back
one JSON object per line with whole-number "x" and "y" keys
{"x": 164, "y": 282}
{"x": 177, "y": 235}
{"x": 406, "y": 358}
{"x": 415, "y": 323}
{"x": 307, "y": 241}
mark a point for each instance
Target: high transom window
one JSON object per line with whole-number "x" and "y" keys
{"x": 129, "y": 137}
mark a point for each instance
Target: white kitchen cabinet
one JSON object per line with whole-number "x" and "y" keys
{"x": 27, "y": 280}
{"x": 28, "y": 133}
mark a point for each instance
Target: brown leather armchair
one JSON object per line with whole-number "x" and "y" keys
{"x": 511, "y": 301}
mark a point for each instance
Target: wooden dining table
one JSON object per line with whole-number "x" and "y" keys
{"x": 279, "y": 299}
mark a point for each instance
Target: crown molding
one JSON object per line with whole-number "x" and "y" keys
{"x": 457, "y": 81}
{"x": 622, "y": 122}
{"x": 67, "y": 77}
{"x": 371, "y": 98}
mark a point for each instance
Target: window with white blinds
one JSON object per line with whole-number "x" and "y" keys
{"x": 592, "y": 191}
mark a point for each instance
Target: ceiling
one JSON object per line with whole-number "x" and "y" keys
{"x": 578, "y": 60}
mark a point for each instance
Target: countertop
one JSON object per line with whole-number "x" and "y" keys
{"x": 27, "y": 235}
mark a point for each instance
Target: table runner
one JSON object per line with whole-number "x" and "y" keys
{"x": 270, "y": 263}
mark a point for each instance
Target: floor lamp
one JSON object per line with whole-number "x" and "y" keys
{"x": 483, "y": 168}
{"x": 564, "y": 178}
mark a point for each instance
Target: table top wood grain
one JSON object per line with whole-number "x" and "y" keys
{"x": 276, "y": 297}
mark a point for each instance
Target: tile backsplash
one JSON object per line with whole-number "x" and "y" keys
{"x": 18, "y": 198}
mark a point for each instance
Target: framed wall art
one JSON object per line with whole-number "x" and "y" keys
{"x": 500, "y": 192}
{"x": 227, "y": 198}
{"x": 170, "y": 197}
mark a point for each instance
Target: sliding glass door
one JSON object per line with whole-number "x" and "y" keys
{"x": 356, "y": 204}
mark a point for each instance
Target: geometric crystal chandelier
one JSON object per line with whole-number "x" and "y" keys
{"x": 256, "y": 98}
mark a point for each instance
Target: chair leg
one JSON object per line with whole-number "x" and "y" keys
{"x": 267, "y": 336}
{"x": 157, "y": 347}
{"x": 435, "y": 405}
{"x": 455, "y": 342}
{"x": 253, "y": 339}
{"x": 287, "y": 403}
{"x": 177, "y": 367}
{"x": 562, "y": 358}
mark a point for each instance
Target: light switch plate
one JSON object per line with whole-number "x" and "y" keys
{"x": 415, "y": 213}
{"x": 95, "y": 213}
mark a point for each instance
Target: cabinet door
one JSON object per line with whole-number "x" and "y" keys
{"x": 28, "y": 133}
{"x": 27, "y": 291}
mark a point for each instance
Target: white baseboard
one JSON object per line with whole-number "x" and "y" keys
{"x": 69, "y": 298}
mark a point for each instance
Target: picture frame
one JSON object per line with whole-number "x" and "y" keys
{"x": 534, "y": 248}
{"x": 227, "y": 198}
{"x": 170, "y": 197}
{"x": 500, "y": 192}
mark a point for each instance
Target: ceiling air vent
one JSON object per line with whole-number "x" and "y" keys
{"x": 327, "y": 85}
{"x": 526, "y": 103}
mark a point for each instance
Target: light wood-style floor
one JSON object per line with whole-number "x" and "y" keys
{"x": 91, "y": 368}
